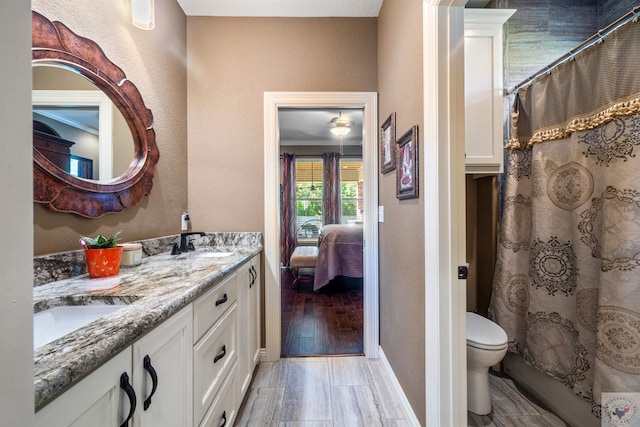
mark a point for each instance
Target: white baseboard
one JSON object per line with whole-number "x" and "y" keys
{"x": 397, "y": 388}
{"x": 263, "y": 355}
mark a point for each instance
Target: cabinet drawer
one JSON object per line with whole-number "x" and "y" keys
{"x": 213, "y": 357}
{"x": 209, "y": 307}
{"x": 224, "y": 409}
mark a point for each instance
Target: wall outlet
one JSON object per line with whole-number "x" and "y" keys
{"x": 184, "y": 226}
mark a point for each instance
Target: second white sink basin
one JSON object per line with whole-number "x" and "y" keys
{"x": 56, "y": 322}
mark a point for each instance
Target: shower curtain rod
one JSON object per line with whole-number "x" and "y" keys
{"x": 632, "y": 15}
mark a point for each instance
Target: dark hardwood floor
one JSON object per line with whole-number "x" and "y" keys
{"x": 329, "y": 322}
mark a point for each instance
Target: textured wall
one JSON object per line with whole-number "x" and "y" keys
{"x": 232, "y": 62}
{"x": 543, "y": 30}
{"x": 402, "y": 233}
{"x": 610, "y": 10}
{"x": 155, "y": 62}
{"x": 16, "y": 302}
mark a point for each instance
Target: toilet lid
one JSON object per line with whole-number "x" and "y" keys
{"x": 483, "y": 333}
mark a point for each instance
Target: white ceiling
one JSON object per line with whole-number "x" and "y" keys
{"x": 284, "y": 8}
{"x": 306, "y": 126}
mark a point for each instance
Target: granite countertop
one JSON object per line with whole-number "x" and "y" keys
{"x": 149, "y": 294}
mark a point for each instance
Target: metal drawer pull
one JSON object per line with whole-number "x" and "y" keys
{"x": 154, "y": 380}
{"x": 124, "y": 384}
{"x": 221, "y": 354}
{"x": 222, "y": 301}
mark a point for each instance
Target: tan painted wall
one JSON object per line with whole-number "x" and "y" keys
{"x": 16, "y": 303}
{"x": 232, "y": 62}
{"x": 400, "y": 86}
{"x": 155, "y": 62}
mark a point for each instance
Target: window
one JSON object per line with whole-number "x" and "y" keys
{"x": 309, "y": 195}
{"x": 351, "y": 172}
{"x": 309, "y": 198}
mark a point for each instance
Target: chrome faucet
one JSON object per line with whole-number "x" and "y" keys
{"x": 184, "y": 246}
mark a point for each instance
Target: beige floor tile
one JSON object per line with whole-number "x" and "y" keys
{"x": 355, "y": 406}
{"x": 306, "y": 396}
{"x": 306, "y": 424}
{"x": 384, "y": 390}
{"x": 262, "y": 407}
{"x": 349, "y": 371}
{"x": 271, "y": 374}
{"x": 507, "y": 400}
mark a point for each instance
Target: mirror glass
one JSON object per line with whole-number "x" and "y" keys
{"x": 85, "y": 134}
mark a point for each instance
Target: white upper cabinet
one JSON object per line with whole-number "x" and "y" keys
{"x": 484, "y": 89}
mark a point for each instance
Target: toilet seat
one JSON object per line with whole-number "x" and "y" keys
{"x": 484, "y": 334}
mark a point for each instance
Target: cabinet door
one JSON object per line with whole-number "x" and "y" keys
{"x": 483, "y": 79}
{"x": 95, "y": 401}
{"x": 163, "y": 373}
{"x": 249, "y": 323}
{"x": 245, "y": 275}
{"x": 254, "y": 313}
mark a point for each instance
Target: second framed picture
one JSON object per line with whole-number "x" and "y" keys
{"x": 387, "y": 144}
{"x": 407, "y": 165}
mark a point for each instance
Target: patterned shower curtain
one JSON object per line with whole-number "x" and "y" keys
{"x": 567, "y": 281}
{"x": 331, "y": 198}
{"x": 288, "y": 215}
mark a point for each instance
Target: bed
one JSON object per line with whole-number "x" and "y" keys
{"x": 339, "y": 253}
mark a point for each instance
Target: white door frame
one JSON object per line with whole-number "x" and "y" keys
{"x": 444, "y": 213}
{"x": 272, "y": 101}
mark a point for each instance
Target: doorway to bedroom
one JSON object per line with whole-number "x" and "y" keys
{"x": 340, "y": 315}
{"x": 321, "y": 216}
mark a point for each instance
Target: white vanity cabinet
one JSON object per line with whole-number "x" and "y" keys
{"x": 191, "y": 370}
{"x": 215, "y": 349}
{"x": 249, "y": 324}
{"x": 96, "y": 401}
{"x": 163, "y": 373}
{"x": 101, "y": 399}
{"x": 484, "y": 89}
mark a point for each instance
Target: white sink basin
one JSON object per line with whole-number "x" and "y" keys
{"x": 211, "y": 254}
{"x": 56, "y": 322}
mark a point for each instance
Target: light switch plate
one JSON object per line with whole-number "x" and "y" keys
{"x": 380, "y": 213}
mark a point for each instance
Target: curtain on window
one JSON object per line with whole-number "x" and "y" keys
{"x": 331, "y": 201}
{"x": 288, "y": 215}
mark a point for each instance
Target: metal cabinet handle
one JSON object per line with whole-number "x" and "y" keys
{"x": 221, "y": 354}
{"x": 154, "y": 380}
{"x": 255, "y": 275}
{"x": 224, "y": 419}
{"x": 253, "y": 278}
{"x": 131, "y": 394}
{"x": 222, "y": 301}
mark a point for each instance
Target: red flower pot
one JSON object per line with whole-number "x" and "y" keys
{"x": 103, "y": 262}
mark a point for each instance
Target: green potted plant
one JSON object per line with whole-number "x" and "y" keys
{"x": 103, "y": 255}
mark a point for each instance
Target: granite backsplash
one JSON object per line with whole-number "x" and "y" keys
{"x": 63, "y": 265}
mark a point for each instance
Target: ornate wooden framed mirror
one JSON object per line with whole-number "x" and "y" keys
{"x": 57, "y": 187}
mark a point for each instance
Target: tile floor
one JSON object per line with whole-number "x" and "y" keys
{"x": 321, "y": 392}
{"x": 355, "y": 391}
{"x": 512, "y": 408}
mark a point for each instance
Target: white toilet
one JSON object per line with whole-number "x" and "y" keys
{"x": 486, "y": 346}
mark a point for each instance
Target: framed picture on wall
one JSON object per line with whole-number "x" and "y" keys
{"x": 407, "y": 165}
{"x": 387, "y": 144}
